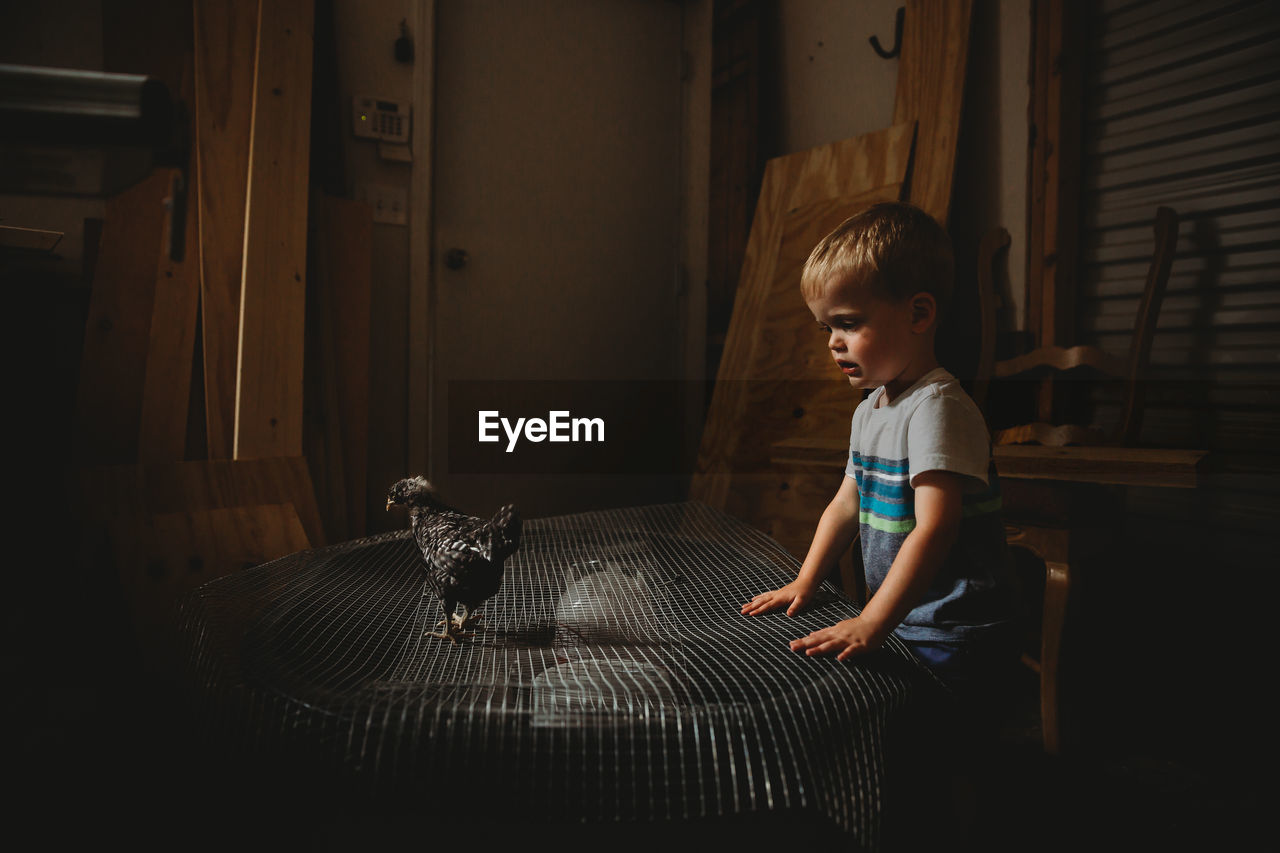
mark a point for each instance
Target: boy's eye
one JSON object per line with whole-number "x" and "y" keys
{"x": 844, "y": 325}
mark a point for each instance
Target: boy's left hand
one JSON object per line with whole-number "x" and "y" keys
{"x": 845, "y": 639}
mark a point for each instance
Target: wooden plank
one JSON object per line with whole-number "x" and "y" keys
{"x": 28, "y": 239}
{"x": 1124, "y": 466}
{"x": 217, "y": 484}
{"x": 167, "y": 527}
{"x": 166, "y": 386}
{"x": 1036, "y": 180}
{"x": 158, "y": 558}
{"x": 1055, "y": 178}
{"x": 931, "y": 72}
{"x": 199, "y": 545}
{"x": 118, "y": 327}
{"x": 161, "y": 488}
{"x": 770, "y": 346}
{"x": 225, "y": 60}
{"x": 268, "y": 410}
{"x": 150, "y": 37}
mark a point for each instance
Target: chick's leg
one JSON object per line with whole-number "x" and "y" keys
{"x": 470, "y": 618}
{"x": 450, "y": 632}
{"x": 465, "y": 621}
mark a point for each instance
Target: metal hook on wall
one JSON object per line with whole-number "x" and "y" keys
{"x": 897, "y": 37}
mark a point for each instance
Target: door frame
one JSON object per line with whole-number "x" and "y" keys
{"x": 419, "y": 370}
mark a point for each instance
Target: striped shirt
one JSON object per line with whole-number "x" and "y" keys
{"x": 932, "y": 426}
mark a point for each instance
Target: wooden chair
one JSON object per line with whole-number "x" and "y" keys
{"x": 1046, "y": 360}
{"x": 1054, "y": 520}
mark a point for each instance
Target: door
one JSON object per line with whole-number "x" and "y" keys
{"x": 557, "y": 222}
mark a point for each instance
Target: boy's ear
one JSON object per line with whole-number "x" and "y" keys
{"x": 924, "y": 311}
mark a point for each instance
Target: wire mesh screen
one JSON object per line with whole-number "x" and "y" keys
{"x": 612, "y": 678}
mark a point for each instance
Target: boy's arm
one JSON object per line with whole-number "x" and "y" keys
{"x": 938, "y": 502}
{"x": 836, "y": 529}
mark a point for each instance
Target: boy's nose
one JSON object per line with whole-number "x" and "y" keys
{"x": 835, "y": 343}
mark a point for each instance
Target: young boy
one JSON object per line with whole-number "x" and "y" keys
{"x": 920, "y": 486}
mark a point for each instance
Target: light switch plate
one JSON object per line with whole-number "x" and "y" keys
{"x": 390, "y": 204}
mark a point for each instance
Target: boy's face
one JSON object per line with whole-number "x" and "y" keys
{"x": 874, "y": 341}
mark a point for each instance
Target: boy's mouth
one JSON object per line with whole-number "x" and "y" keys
{"x": 848, "y": 367}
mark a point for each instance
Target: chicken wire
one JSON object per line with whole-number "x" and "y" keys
{"x": 612, "y": 678}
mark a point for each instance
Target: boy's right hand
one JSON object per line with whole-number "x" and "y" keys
{"x": 795, "y": 594}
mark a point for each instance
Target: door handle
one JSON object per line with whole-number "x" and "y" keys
{"x": 456, "y": 259}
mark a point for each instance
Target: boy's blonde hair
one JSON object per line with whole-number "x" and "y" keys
{"x": 895, "y": 247}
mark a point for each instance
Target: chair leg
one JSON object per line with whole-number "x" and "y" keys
{"x": 1057, "y": 588}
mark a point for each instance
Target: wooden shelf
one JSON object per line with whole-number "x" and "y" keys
{"x": 1125, "y": 466}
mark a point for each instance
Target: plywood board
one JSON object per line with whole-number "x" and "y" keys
{"x": 225, "y": 59}
{"x": 214, "y": 484}
{"x": 158, "y": 558}
{"x": 118, "y": 327}
{"x": 268, "y": 410}
{"x": 196, "y": 546}
{"x": 166, "y": 387}
{"x": 166, "y": 528}
{"x": 931, "y": 72}
{"x": 776, "y": 378}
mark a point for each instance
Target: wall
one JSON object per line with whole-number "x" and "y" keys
{"x": 830, "y": 82}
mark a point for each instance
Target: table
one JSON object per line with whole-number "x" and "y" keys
{"x": 613, "y": 677}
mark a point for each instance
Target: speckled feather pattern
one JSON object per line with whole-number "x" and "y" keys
{"x": 463, "y": 555}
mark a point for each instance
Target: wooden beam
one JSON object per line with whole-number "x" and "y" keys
{"x": 118, "y": 328}
{"x": 168, "y": 528}
{"x": 1054, "y": 190}
{"x": 129, "y": 401}
{"x": 268, "y": 411}
{"x": 225, "y": 61}
{"x": 930, "y": 92}
{"x": 204, "y": 485}
{"x": 166, "y": 388}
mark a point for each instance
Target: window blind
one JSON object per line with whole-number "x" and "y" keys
{"x": 1181, "y": 107}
